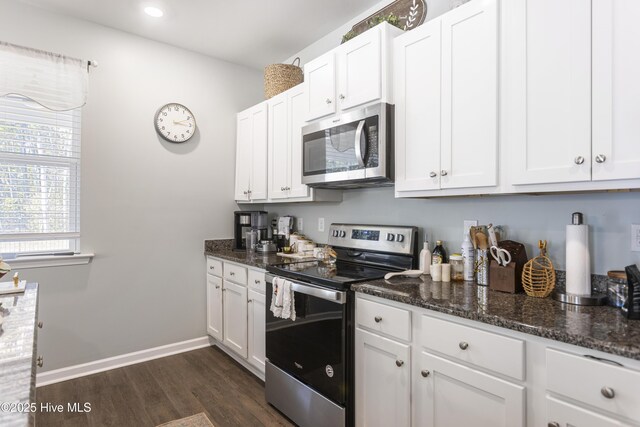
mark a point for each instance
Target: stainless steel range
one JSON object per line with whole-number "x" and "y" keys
{"x": 309, "y": 369}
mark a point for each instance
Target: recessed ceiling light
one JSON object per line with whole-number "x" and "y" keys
{"x": 153, "y": 11}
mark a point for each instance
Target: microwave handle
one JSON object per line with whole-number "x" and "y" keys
{"x": 357, "y": 145}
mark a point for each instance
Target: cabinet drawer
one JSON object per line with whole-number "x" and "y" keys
{"x": 491, "y": 351}
{"x": 395, "y": 322}
{"x": 257, "y": 281}
{"x": 214, "y": 267}
{"x": 235, "y": 273}
{"x": 591, "y": 381}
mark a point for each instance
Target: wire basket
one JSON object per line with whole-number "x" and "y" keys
{"x": 538, "y": 274}
{"x": 281, "y": 77}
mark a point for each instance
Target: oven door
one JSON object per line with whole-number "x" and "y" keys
{"x": 312, "y": 348}
{"x": 349, "y": 148}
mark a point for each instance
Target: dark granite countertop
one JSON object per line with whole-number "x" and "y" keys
{"x": 597, "y": 328}
{"x": 17, "y": 355}
{"x": 223, "y": 249}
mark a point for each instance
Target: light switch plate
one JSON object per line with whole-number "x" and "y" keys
{"x": 300, "y": 224}
{"x": 320, "y": 224}
{"x": 635, "y": 237}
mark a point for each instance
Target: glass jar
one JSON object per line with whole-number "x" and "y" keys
{"x": 616, "y": 288}
{"x": 457, "y": 267}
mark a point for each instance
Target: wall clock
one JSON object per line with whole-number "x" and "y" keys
{"x": 175, "y": 123}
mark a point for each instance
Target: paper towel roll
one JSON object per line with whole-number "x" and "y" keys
{"x": 578, "y": 261}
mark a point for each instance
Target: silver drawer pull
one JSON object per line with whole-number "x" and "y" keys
{"x": 378, "y": 319}
{"x": 601, "y": 158}
{"x": 231, "y": 273}
{"x": 40, "y": 324}
{"x": 608, "y": 392}
{"x": 433, "y": 174}
{"x": 211, "y": 267}
{"x": 40, "y": 361}
{"x": 578, "y": 160}
{"x": 250, "y": 301}
{"x": 399, "y": 363}
{"x": 217, "y": 286}
{"x": 463, "y": 345}
{"x": 553, "y": 424}
{"x": 257, "y": 281}
{"x": 328, "y": 101}
{"x": 425, "y": 373}
{"x": 600, "y": 359}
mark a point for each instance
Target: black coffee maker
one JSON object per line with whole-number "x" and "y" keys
{"x": 246, "y": 221}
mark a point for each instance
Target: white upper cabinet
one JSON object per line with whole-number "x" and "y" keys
{"x": 251, "y": 154}
{"x": 616, "y": 90}
{"x": 351, "y": 75}
{"x": 547, "y": 86}
{"x": 279, "y": 147}
{"x": 417, "y": 93}
{"x": 446, "y": 92}
{"x": 320, "y": 80}
{"x": 470, "y": 96}
{"x": 360, "y": 70}
{"x": 297, "y": 99}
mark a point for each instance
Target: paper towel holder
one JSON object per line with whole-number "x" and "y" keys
{"x": 567, "y": 298}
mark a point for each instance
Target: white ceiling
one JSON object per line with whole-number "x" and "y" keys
{"x": 250, "y": 32}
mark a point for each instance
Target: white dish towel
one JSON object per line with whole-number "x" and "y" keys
{"x": 282, "y": 300}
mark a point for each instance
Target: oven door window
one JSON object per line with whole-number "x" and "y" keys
{"x": 349, "y": 147}
{"x": 311, "y": 348}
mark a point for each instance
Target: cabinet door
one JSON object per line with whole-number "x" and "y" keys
{"x": 297, "y": 101}
{"x": 235, "y": 317}
{"x": 256, "y": 329}
{"x": 448, "y": 394}
{"x": 547, "y": 90}
{"x": 214, "y": 306}
{"x": 360, "y": 70}
{"x": 563, "y": 414}
{"x": 382, "y": 381}
{"x": 616, "y": 89}
{"x": 417, "y": 92}
{"x": 259, "y": 151}
{"x": 320, "y": 82}
{"x": 470, "y": 96}
{"x": 243, "y": 155}
{"x": 278, "y": 147}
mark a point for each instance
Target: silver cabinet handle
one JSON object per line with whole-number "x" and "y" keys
{"x": 232, "y": 273}
{"x": 244, "y": 192}
{"x": 40, "y": 361}
{"x": 600, "y": 359}
{"x": 378, "y": 319}
{"x": 425, "y": 373}
{"x": 601, "y": 158}
{"x": 40, "y": 324}
{"x": 579, "y": 160}
{"x": 553, "y": 424}
{"x": 217, "y": 286}
{"x": 399, "y": 363}
{"x": 250, "y": 301}
{"x": 328, "y": 101}
{"x": 257, "y": 281}
{"x": 282, "y": 188}
{"x": 433, "y": 174}
{"x": 342, "y": 96}
{"x": 443, "y": 173}
{"x": 608, "y": 392}
{"x": 211, "y": 267}
{"x": 463, "y": 345}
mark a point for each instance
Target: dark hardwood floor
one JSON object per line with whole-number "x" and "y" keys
{"x": 162, "y": 390}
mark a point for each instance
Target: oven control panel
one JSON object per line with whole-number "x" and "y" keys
{"x": 382, "y": 238}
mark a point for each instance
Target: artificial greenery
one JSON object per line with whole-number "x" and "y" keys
{"x": 391, "y": 18}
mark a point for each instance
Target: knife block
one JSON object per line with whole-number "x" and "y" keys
{"x": 508, "y": 278}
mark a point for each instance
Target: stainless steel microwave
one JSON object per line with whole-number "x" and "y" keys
{"x": 350, "y": 151}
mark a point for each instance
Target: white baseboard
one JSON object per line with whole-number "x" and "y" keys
{"x": 76, "y": 371}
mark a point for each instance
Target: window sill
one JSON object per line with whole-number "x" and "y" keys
{"x": 49, "y": 261}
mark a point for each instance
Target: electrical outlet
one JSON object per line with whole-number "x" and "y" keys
{"x": 300, "y": 225}
{"x": 635, "y": 237}
{"x": 320, "y": 224}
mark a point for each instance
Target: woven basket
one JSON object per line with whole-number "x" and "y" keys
{"x": 280, "y": 77}
{"x": 538, "y": 274}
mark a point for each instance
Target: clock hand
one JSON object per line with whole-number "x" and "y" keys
{"x": 179, "y": 123}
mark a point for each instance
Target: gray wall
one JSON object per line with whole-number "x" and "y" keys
{"x": 146, "y": 205}
{"x": 527, "y": 219}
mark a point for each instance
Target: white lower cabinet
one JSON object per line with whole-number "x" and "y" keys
{"x": 563, "y": 414}
{"x": 383, "y": 391}
{"x": 236, "y": 311}
{"x": 256, "y": 329}
{"x": 235, "y": 317}
{"x": 449, "y": 394}
{"x": 214, "y": 306}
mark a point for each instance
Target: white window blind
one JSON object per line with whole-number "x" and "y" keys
{"x": 39, "y": 177}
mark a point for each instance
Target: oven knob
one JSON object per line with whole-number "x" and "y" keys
{"x": 390, "y": 237}
{"x": 343, "y": 233}
{"x": 399, "y": 237}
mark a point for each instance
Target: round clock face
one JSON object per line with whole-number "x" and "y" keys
{"x": 175, "y": 123}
